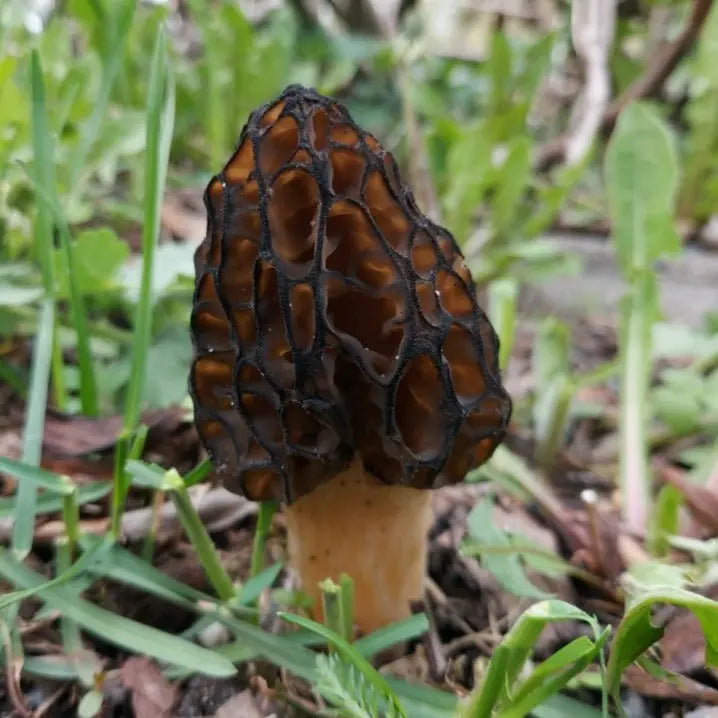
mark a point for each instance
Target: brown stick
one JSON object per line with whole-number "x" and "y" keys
{"x": 650, "y": 83}
{"x": 647, "y": 85}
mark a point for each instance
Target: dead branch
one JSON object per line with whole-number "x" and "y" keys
{"x": 650, "y": 83}
{"x": 647, "y": 85}
{"x": 218, "y": 508}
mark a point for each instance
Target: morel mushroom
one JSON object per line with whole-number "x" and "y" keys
{"x": 342, "y": 364}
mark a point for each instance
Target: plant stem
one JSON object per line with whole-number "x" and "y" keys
{"x": 332, "y": 606}
{"x": 69, "y": 630}
{"x": 347, "y": 588}
{"x": 635, "y": 370}
{"x": 32, "y": 439}
{"x": 200, "y": 539}
{"x": 71, "y": 517}
{"x": 267, "y": 510}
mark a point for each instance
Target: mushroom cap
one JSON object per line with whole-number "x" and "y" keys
{"x": 331, "y": 318}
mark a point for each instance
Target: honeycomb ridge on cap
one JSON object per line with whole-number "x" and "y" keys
{"x": 331, "y": 317}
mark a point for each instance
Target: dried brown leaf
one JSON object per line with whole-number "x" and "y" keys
{"x": 152, "y": 695}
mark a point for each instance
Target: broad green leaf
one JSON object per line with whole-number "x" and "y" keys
{"x": 507, "y": 569}
{"x": 167, "y": 361}
{"x": 641, "y": 180}
{"x": 499, "y": 71}
{"x": 655, "y": 575}
{"x": 149, "y": 476}
{"x": 680, "y": 340}
{"x": 679, "y": 399}
{"x": 99, "y": 254}
{"x": 665, "y": 519}
{"x": 173, "y": 260}
{"x": 469, "y": 168}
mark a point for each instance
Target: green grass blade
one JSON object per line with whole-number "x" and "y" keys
{"x": 124, "y": 567}
{"x": 82, "y": 564}
{"x": 88, "y": 384}
{"x": 267, "y": 509}
{"x": 283, "y": 653}
{"x": 111, "y": 63}
{"x": 160, "y": 120}
{"x": 49, "y": 503}
{"x": 199, "y": 473}
{"x": 54, "y": 667}
{"x": 197, "y": 534}
{"x": 44, "y": 171}
{"x": 346, "y": 584}
{"x": 257, "y": 583}
{"x": 24, "y": 525}
{"x": 69, "y": 630}
{"x": 125, "y": 633}
{"x": 43, "y": 175}
{"x": 389, "y": 636}
{"x": 553, "y": 674}
{"x": 43, "y": 350}
{"x": 34, "y": 475}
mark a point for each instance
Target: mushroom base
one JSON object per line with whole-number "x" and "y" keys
{"x": 375, "y": 533}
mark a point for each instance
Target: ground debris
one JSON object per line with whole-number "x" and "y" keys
{"x": 152, "y": 695}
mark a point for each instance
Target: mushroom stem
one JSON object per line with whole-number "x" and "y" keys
{"x": 376, "y": 533}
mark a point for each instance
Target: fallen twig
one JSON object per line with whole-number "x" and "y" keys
{"x": 218, "y": 508}
{"x": 592, "y": 29}
{"x": 647, "y": 85}
{"x": 658, "y": 71}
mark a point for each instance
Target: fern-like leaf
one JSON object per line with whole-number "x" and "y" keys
{"x": 342, "y": 685}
